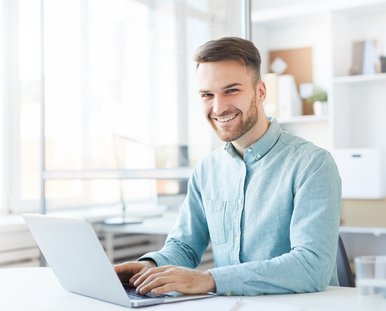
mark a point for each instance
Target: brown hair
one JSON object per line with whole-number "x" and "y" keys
{"x": 230, "y": 48}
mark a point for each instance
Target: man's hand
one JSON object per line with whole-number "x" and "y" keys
{"x": 130, "y": 271}
{"x": 160, "y": 280}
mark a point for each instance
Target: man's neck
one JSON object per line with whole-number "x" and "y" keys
{"x": 252, "y": 136}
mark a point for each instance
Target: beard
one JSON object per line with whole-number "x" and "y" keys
{"x": 234, "y": 132}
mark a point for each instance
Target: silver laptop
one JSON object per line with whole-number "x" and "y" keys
{"x": 78, "y": 260}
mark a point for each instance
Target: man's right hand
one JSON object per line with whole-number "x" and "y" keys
{"x": 130, "y": 271}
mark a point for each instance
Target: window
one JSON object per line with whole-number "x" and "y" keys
{"x": 119, "y": 92}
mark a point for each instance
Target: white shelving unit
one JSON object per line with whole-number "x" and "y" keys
{"x": 357, "y": 104}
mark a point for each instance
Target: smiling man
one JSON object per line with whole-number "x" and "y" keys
{"x": 268, "y": 201}
{"x": 232, "y": 108}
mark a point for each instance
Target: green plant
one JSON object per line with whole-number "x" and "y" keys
{"x": 319, "y": 95}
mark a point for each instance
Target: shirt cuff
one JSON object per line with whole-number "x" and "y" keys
{"x": 224, "y": 280}
{"x": 148, "y": 259}
{"x": 156, "y": 257}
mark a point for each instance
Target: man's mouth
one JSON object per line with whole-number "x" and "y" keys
{"x": 226, "y": 118}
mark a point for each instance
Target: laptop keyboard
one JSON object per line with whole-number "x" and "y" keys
{"x": 132, "y": 294}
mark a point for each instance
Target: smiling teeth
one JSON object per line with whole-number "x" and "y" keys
{"x": 226, "y": 118}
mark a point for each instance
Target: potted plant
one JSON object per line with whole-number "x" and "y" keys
{"x": 319, "y": 101}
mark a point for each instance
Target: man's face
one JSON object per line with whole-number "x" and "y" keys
{"x": 229, "y": 98}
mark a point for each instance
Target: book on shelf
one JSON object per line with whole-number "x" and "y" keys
{"x": 365, "y": 58}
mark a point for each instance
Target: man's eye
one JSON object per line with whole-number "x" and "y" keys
{"x": 206, "y": 95}
{"x": 230, "y": 91}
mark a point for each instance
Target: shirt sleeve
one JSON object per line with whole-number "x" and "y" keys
{"x": 189, "y": 238}
{"x": 314, "y": 230}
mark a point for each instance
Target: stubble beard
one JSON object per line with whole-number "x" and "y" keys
{"x": 244, "y": 125}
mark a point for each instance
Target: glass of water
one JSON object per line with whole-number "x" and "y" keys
{"x": 370, "y": 272}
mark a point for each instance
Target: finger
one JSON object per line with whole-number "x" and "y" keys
{"x": 123, "y": 275}
{"x": 136, "y": 276}
{"x": 127, "y": 267}
{"x": 169, "y": 287}
{"x": 149, "y": 280}
{"x": 126, "y": 270}
{"x": 142, "y": 277}
{"x": 147, "y": 273}
{"x": 154, "y": 282}
{"x": 119, "y": 268}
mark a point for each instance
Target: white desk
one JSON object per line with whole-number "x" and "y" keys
{"x": 29, "y": 289}
{"x": 157, "y": 226}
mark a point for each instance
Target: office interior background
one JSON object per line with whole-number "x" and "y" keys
{"x": 99, "y": 107}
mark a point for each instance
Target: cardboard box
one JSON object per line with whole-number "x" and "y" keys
{"x": 362, "y": 172}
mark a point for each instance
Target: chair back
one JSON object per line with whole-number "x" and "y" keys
{"x": 345, "y": 275}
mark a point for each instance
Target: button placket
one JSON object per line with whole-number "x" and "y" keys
{"x": 237, "y": 221}
{"x": 237, "y": 231}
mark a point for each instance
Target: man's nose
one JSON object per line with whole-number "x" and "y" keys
{"x": 219, "y": 105}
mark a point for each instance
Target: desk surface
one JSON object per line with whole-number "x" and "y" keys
{"x": 156, "y": 225}
{"x": 37, "y": 289}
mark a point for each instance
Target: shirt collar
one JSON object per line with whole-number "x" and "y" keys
{"x": 263, "y": 145}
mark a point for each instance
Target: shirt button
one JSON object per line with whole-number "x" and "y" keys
{"x": 259, "y": 155}
{"x": 240, "y": 201}
{"x": 249, "y": 149}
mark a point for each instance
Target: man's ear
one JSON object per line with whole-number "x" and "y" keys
{"x": 261, "y": 90}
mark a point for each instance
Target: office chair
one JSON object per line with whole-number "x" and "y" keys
{"x": 345, "y": 276}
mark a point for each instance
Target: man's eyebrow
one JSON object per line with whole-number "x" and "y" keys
{"x": 226, "y": 87}
{"x": 229, "y": 86}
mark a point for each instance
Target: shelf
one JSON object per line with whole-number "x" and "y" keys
{"x": 360, "y": 78}
{"x": 177, "y": 173}
{"x": 304, "y": 119}
{"x": 296, "y": 11}
{"x": 363, "y": 230}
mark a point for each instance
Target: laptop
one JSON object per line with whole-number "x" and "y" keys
{"x": 73, "y": 251}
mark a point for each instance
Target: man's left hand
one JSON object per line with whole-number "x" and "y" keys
{"x": 160, "y": 280}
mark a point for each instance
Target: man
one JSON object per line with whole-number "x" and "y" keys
{"x": 268, "y": 201}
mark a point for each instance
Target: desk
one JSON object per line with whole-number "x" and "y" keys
{"x": 157, "y": 226}
{"x": 30, "y": 289}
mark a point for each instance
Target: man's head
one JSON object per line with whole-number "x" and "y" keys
{"x": 231, "y": 48}
{"x": 231, "y": 90}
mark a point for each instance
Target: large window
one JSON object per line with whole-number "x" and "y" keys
{"x": 118, "y": 91}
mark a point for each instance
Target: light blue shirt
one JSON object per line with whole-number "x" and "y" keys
{"x": 272, "y": 217}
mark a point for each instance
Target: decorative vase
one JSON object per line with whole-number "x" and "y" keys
{"x": 320, "y": 108}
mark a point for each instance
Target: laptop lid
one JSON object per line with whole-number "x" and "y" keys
{"x": 77, "y": 258}
{"x": 80, "y": 263}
